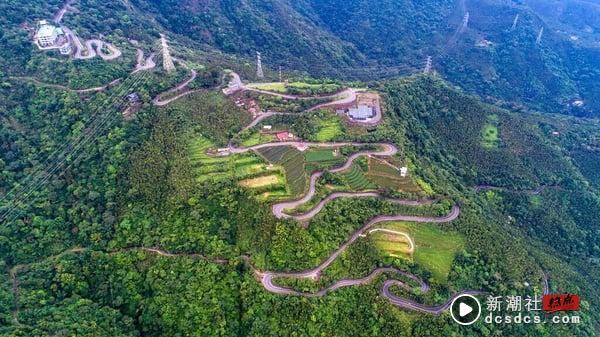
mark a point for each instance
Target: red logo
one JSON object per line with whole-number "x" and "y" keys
{"x": 560, "y": 302}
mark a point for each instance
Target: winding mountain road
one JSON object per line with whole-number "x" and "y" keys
{"x": 279, "y": 208}
{"x": 344, "y": 97}
{"x": 158, "y": 101}
{"x": 235, "y": 84}
{"x": 62, "y": 87}
{"x": 415, "y": 306}
{"x": 92, "y": 48}
{"x": 267, "y": 278}
{"x": 14, "y": 271}
{"x": 144, "y": 63}
{"x": 264, "y": 116}
{"x": 62, "y": 11}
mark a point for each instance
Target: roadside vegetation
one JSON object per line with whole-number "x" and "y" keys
{"x": 308, "y": 87}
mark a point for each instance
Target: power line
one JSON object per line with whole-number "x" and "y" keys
{"x": 66, "y": 146}
{"x": 60, "y": 161}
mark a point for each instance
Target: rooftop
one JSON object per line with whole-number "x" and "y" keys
{"x": 361, "y": 112}
{"x": 46, "y": 31}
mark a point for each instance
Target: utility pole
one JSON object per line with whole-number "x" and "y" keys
{"x": 515, "y": 21}
{"x": 427, "y": 69}
{"x": 539, "y": 37}
{"x": 259, "y": 69}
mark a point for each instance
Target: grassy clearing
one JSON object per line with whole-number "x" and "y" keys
{"x": 329, "y": 129}
{"x": 262, "y": 181}
{"x": 435, "y": 249}
{"x": 257, "y": 138}
{"x": 300, "y": 88}
{"x": 278, "y": 87}
{"x": 321, "y": 155}
{"x": 490, "y": 136}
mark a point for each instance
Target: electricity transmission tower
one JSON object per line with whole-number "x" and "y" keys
{"x": 515, "y": 21}
{"x": 259, "y": 69}
{"x": 280, "y": 74}
{"x": 539, "y": 37}
{"x": 428, "y": 64}
{"x": 465, "y": 22}
{"x": 168, "y": 64}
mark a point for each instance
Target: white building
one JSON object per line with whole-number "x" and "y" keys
{"x": 47, "y": 35}
{"x": 403, "y": 171}
{"x": 65, "y": 49}
{"x": 50, "y": 37}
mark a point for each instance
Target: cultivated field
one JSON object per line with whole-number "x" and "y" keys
{"x": 357, "y": 180}
{"x": 329, "y": 129}
{"x": 248, "y": 169}
{"x": 293, "y": 163}
{"x": 256, "y": 138}
{"x": 434, "y": 249}
{"x": 385, "y": 175}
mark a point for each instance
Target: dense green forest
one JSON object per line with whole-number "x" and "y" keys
{"x": 107, "y": 230}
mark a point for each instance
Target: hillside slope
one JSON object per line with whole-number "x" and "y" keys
{"x": 374, "y": 39}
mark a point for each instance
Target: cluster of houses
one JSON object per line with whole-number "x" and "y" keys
{"x": 249, "y": 104}
{"x": 49, "y": 37}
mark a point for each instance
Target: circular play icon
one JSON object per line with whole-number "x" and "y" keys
{"x": 465, "y": 309}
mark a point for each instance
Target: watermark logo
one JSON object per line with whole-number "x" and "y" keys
{"x": 514, "y": 309}
{"x": 465, "y": 309}
{"x": 560, "y": 302}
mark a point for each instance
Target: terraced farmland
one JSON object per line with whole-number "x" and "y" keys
{"x": 248, "y": 169}
{"x": 356, "y": 179}
{"x": 386, "y": 176}
{"x": 293, "y": 163}
{"x": 207, "y": 168}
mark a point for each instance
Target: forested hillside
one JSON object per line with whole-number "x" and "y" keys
{"x": 118, "y": 218}
{"x": 370, "y": 40}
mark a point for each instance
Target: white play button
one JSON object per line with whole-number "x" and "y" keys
{"x": 464, "y": 310}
